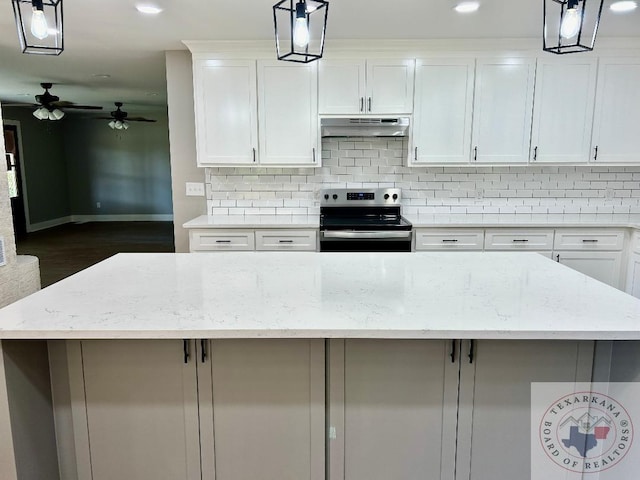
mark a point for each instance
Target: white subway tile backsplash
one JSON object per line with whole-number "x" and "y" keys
{"x": 378, "y": 163}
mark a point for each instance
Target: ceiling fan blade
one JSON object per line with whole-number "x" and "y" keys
{"x": 139, "y": 119}
{"x": 30, "y": 105}
{"x": 83, "y": 107}
{"x": 62, "y": 104}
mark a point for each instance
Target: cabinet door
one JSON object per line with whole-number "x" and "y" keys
{"x": 141, "y": 410}
{"x": 617, "y": 113}
{"x": 563, "y": 110}
{"x": 341, "y": 86}
{"x": 262, "y": 404}
{"x": 633, "y": 275}
{"x": 502, "y": 110}
{"x": 443, "y": 107}
{"x": 603, "y": 266}
{"x": 288, "y": 113}
{"x": 226, "y": 111}
{"x": 390, "y": 86}
{"x": 494, "y": 437}
{"x": 392, "y": 410}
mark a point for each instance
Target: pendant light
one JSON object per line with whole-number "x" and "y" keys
{"x": 300, "y": 27}
{"x": 39, "y": 24}
{"x": 570, "y": 26}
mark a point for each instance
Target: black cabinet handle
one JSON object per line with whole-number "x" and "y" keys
{"x": 361, "y": 104}
{"x": 285, "y": 241}
{"x": 223, "y": 241}
{"x": 415, "y": 155}
{"x": 475, "y": 154}
{"x": 369, "y": 103}
{"x": 472, "y": 344}
{"x": 558, "y": 258}
{"x": 254, "y": 155}
{"x": 595, "y": 157}
{"x": 449, "y": 240}
{"x": 520, "y": 240}
{"x": 453, "y": 351}
{"x": 203, "y": 350}
{"x": 185, "y": 350}
{"x": 589, "y": 240}
{"x": 535, "y": 153}
{"x": 314, "y": 155}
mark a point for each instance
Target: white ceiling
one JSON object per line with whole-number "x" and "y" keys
{"x": 111, "y": 37}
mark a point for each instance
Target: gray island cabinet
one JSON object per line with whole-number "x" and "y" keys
{"x": 299, "y": 365}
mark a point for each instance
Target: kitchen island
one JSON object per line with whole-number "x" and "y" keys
{"x": 244, "y": 365}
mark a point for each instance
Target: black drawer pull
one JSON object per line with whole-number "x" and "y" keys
{"x": 223, "y": 241}
{"x": 285, "y": 241}
{"x": 449, "y": 240}
{"x": 520, "y": 240}
{"x": 589, "y": 240}
{"x": 185, "y": 351}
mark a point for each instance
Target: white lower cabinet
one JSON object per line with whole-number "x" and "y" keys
{"x": 279, "y": 240}
{"x": 448, "y": 239}
{"x": 633, "y": 275}
{"x": 603, "y": 266}
{"x": 210, "y": 240}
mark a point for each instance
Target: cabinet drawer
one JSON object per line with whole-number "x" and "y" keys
{"x": 220, "y": 240}
{"x": 463, "y": 239}
{"x": 518, "y": 240}
{"x": 286, "y": 240}
{"x": 588, "y": 240}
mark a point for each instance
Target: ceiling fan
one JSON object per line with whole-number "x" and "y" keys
{"x": 120, "y": 119}
{"x": 49, "y": 106}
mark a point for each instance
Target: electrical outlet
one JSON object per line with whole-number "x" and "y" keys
{"x": 98, "y": 205}
{"x": 609, "y": 193}
{"x": 195, "y": 189}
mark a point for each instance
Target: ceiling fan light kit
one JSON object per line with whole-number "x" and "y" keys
{"x": 39, "y": 24}
{"x": 300, "y": 28}
{"x": 120, "y": 119}
{"x": 570, "y": 26}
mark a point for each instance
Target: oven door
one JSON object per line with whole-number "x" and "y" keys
{"x": 365, "y": 240}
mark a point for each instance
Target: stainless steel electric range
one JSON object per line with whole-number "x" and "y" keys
{"x": 363, "y": 220}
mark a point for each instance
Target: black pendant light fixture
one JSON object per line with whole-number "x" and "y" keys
{"x": 39, "y": 24}
{"x": 570, "y": 26}
{"x": 300, "y": 28}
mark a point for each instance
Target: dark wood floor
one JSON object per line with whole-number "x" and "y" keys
{"x": 67, "y": 249}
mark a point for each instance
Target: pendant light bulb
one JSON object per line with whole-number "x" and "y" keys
{"x": 112, "y": 124}
{"x": 301, "y": 26}
{"x": 571, "y": 21}
{"x": 39, "y": 27}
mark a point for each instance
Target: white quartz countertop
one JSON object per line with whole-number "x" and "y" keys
{"x": 254, "y": 221}
{"x": 326, "y": 295}
{"x": 431, "y": 221}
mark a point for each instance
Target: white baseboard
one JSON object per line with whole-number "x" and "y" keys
{"x": 151, "y": 217}
{"x": 34, "y": 227}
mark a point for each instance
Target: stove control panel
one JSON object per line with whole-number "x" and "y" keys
{"x": 360, "y": 196}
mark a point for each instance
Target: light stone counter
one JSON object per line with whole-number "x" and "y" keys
{"x": 332, "y": 295}
{"x": 525, "y": 220}
{"x": 254, "y": 221}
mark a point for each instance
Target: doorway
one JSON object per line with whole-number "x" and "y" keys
{"x": 16, "y": 192}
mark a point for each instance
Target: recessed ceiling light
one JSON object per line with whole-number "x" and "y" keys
{"x": 467, "y": 7}
{"x": 624, "y": 6}
{"x": 151, "y": 94}
{"x": 101, "y": 75}
{"x": 148, "y": 9}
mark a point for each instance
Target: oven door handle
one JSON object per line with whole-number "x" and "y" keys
{"x": 358, "y": 235}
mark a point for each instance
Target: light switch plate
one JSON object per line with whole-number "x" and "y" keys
{"x": 195, "y": 189}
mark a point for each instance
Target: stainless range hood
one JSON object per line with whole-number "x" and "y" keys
{"x": 364, "y": 127}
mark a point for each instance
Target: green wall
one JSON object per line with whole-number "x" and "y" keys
{"x": 44, "y": 164}
{"x": 73, "y": 164}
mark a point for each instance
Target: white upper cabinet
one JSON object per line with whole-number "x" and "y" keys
{"x": 443, "y": 111}
{"x": 288, "y": 113}
{"x": 617, "y": 112}
{"x": 380, "y": 86}
{"x": 502, "y": 110}
{"x": 563, "y": 110}
{"x": 226, "y": 111}
{"x": 342, "y": 86}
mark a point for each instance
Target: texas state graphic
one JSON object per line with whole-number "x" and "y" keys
{"x": 583, "y": 442}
